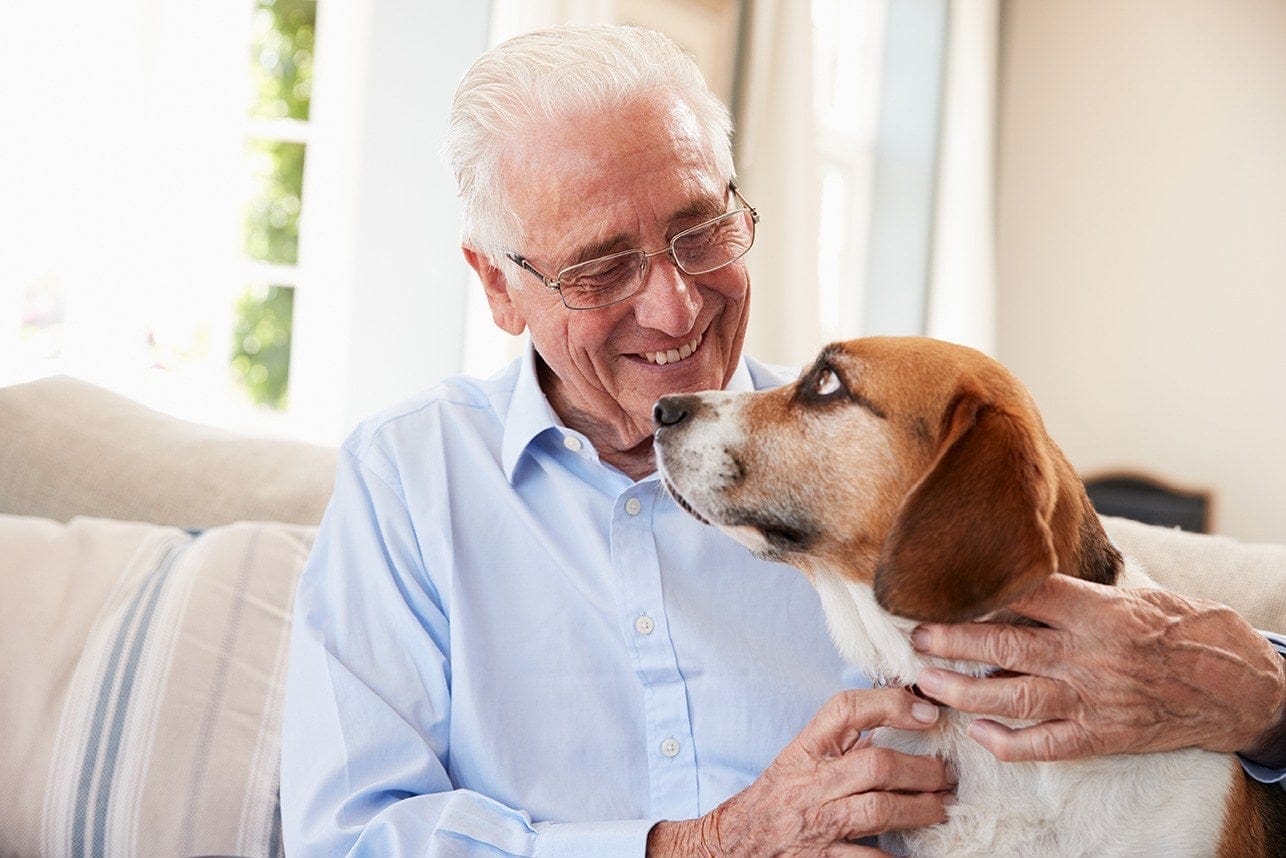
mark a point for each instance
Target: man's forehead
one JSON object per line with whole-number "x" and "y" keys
{"x": 612, "y": 176}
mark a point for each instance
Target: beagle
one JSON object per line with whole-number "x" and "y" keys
{"x": 912, "y": 480}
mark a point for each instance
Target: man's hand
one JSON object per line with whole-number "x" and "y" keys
{"x": 827, "y": 787}
{"x": 1117, "y": 671}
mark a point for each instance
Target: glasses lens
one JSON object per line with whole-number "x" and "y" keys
{"x": 603, "y": 281}
{"x": 715, "y": 244}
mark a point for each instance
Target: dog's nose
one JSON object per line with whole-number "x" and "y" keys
{"x": 671, "y": 410}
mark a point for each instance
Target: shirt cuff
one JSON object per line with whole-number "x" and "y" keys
{"x": 1263, "y": 774}
{"x": 593, "y": 839}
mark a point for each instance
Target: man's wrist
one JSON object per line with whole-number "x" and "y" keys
{"x": 1268, "y": 749}
{"x": 669, "y": 838}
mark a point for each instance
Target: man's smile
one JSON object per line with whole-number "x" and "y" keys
{"x": 683, "y": 352}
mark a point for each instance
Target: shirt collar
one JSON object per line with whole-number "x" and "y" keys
{"x": 530, "y": 413}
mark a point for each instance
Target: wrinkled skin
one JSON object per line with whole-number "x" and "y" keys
{"x": 1118, "y": 671}
{"x": 827, "y": 787}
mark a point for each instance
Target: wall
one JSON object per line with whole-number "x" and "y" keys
{"x": 1142, "y": 240}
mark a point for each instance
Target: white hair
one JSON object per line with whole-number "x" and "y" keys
{"x": 553, "y": 74}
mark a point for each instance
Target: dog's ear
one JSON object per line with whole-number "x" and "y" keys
{"x": 973, "y": 534}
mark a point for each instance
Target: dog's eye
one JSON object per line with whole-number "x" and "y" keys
{"x": 827, "y": 383}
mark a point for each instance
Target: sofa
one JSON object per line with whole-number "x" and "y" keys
{"x": 147, "y": 569}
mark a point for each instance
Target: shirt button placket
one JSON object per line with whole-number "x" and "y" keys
{"x": 665, "y": 699}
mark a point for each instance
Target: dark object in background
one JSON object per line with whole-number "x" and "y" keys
{"x": 1149, "y": 501}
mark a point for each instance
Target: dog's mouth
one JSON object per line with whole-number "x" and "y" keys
{"x": 683, "y": 503}
{"x": 782, "y": 536}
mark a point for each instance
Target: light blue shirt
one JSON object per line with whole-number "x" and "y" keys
{"x": 504, "y": 645}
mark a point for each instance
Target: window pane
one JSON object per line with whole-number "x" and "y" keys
{"x": 261, "y": 343}
{"x": 281, "y": 58}
{"x": 272, "y": 220}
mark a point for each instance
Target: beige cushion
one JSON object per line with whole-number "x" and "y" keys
{"x": 142, "y": 671}
{"x": 1249, "y": 578}
{"x": 68, "y": 448}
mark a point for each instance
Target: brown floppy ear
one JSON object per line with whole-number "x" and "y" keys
{"x": 973, "y": 534}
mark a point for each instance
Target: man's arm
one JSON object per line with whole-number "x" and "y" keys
{"x": 366, "y": 721}
{"x": 1116, "y": 671}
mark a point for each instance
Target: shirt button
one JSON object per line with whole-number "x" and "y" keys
{"x": 644, "y": 625}
{"x": 633, "y": 506}
{"x": 670, "y": 747}
{"x": 571, "y": 442}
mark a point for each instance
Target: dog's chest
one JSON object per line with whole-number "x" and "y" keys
{"x": 1122, "y": 805}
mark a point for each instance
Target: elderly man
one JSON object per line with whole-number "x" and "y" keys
{"x": 509, "y": 640}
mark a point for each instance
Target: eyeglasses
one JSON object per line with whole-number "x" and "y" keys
{"x": 611, "y": 279}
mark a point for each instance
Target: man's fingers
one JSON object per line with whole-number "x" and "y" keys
{"x": 1021, "y": 649}
{"x": 877, "y": 769}
{"x": 876, "y": 812}
{"x": 1059, "y": 600}
{"x": 838, "y": 725}
{"x": 1022, "y": 697}
{"x": 1049, "y": 740}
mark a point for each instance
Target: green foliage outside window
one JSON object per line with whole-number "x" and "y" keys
{"x": 281, "y": 58}
{"x": 272, "y": 218}
{"x": 261, "y": 343}
{"x": 281, "y": 63}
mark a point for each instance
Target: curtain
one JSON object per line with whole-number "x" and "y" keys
{"x": 932, "y": 262}
{"x": 777, "y": 165}
{"x": 961, "y": 304}
{"x": 917, "y": 249}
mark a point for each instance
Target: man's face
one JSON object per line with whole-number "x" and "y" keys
{"x": 632, "y": 179}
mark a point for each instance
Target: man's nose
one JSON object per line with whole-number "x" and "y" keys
{"x": 668, "y": 301}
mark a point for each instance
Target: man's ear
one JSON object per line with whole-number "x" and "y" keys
{"x": 504, "y": 312}
{"x": 974, "y": 533}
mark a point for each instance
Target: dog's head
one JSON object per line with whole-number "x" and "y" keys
{"x": 915, "y": 466}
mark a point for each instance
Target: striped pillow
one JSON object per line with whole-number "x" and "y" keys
{"x": 142, "y": 671}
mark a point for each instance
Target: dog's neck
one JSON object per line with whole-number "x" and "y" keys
{"x": 880, "y": 642}
{"x": 873, "y": 639}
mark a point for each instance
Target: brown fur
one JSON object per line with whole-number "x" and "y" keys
{"x": 1254, "y": 820}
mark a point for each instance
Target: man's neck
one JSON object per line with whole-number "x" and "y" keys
{"x": 621, "y": 443}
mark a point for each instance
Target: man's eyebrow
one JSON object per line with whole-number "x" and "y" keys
{"x": 697, "y": 209}
{"x": 604, "y": 247}
{"x": 704, "y": 208}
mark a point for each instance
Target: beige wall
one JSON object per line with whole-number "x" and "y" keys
{"x": 1142, "y": 239}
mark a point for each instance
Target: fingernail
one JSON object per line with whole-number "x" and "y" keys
{"x": 920, "y": 639}
{"x": 979, "y": 731}
{"x": 930, "y": 681}
{"x": 924, "y": 712}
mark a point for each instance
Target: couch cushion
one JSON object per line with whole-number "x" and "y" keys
{"x": 143, "y": 671}
{"x": 1249, "y": 578}
{"x": 69, "y": 448}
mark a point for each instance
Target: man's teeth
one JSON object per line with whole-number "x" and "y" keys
{"x": 673, "y": 355}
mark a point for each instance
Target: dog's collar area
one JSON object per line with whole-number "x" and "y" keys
{"x": 882, "y": 682}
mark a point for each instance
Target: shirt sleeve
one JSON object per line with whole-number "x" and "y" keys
{"x": 1255, "y": 770}
{"x": 367, "y": 712}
